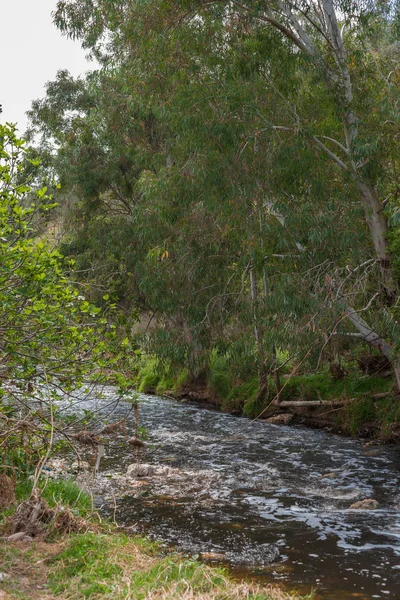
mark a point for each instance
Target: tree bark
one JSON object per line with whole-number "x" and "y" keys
{"x": 373, "y": 338}
{"x": 378, "y": 227}
{"x": 305, "y": 403}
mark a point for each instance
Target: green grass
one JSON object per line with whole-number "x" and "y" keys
{"x": 241, "y": 396}
{"x": 323, "y": 386}
{"x": 166, "y": 383}
{"x": 382, "y": 414}
{"x": 147, "y": 376}
{"x": 66, "y": 492}
{"x": 106, "y": 566}
{"x": 57, "y": 491}
{"x": 365, "y": 414}
{"x": 220, "y": 378}
{"x": 103, "y": 564}
{"x": 152, "y": 377}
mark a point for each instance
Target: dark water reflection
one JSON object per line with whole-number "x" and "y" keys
{"x": 248, "y": 485}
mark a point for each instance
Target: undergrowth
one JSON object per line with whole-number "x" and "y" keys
{"x": 241, "y": 394}
{"x": 57, "y": 491}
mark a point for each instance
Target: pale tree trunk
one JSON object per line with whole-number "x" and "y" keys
{"x": 378, "y": 227}
{"x": 277, "y": 377}
{"x": 290, "y": 19}
{"x": 372, "y": 337}
{"x": 373, "y": 209}
{"x": 340, "y": 83}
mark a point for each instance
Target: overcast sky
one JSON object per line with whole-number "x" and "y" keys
{"x": 32, "y": 50}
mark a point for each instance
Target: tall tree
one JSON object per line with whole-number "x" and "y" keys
{"x": 280, "y": 170}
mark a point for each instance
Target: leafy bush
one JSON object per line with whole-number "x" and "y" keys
{"x": 53, "y": 340}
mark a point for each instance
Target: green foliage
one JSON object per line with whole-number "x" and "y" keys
{"x": 153, "y": 376}
{"x": 369, "y": 414}
{"x": 148, "y": 376}
{"x": 324, "y": 387}
{"x": 360, "y": 413}
{"x": 220, "y": 377}
{"x": 49, "y": 330}
{"x": 53, "y": 340}
{"x": 165, "y": 384}
{"x": 181, "y": 379}
{"x": 223, "y": 201}
{"x": 242, "y": 396}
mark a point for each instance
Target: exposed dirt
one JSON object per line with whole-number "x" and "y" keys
{"x": 26, "y": 567}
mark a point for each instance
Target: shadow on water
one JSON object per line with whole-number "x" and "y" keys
{"x": 246, "y": 493}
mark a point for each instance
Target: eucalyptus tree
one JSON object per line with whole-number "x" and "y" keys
{"x": 331, "y": 35}
{"x": 253, "y": 139}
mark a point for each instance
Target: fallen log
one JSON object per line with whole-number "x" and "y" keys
{"x": 305, "y": 403}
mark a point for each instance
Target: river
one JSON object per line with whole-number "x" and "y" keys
{"x": 240, "y": 491}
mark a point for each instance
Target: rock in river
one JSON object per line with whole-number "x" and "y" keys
{"x": 366, "y": 504}
{"x": 146, "y": 470}
{"x": 282, "y": 419}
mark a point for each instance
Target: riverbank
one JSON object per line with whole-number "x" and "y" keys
{"x": 356, "y": 404}
{"x": 237, "y": 493}
{"x": 98, "y": 560}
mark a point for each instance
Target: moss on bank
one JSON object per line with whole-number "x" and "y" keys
{"x": 373, "y": 408}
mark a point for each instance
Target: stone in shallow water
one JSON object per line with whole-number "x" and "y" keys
{"x": 329, "y": 476}
{"x": 145, "y": 470}
{"x": 366, "y": 504}
{"x": 212, "y": 556}
{"x": 282, "y": 419}
{"x": 259, "y": 556}
{"x": 81, "y": 465}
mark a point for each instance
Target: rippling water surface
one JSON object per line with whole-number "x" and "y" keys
{"x": 237, "y": 487}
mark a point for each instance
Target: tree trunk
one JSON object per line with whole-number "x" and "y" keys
{"x": 378, "y": 227}
{"x": 311, "y": 403}
{"x": 372, "y": 337}
{"x": 339, "y": 81}
{"x": 396, "y": 370}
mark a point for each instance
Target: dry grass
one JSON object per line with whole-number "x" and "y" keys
{"x": 27, "y": 569}
{"x": 228, "y": 591}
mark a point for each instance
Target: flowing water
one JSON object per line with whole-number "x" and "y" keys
{"x": 239, "y": 491}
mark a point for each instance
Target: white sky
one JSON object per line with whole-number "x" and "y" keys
{"x": 32, "y": 50}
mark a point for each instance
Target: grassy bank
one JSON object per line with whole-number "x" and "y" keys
{"x": 114, "y": 566}
{"x": 100, "y": 562}
{"x": 372, "y": 410}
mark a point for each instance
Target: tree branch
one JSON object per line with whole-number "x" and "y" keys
{"x": 331, "y": 154}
